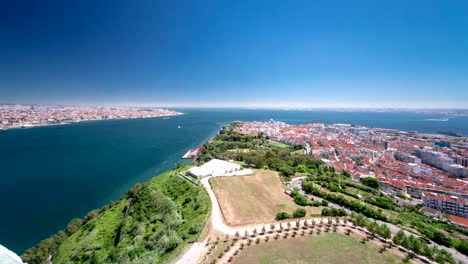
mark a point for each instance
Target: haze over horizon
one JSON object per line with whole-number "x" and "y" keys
{"x": 298, "y": 54}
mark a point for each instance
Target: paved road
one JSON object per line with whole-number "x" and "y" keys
{"x": 297, "y": 183}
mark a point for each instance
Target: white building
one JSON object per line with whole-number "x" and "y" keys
{"x": 214, "y": 167}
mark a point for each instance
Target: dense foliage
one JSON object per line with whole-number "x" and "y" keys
{"x": 354, "y": 205}
{"x": 257, "y": 151}
{"x": 147, "y": 225}
{"x": 371, "y": 182}
{"x": 298, "y": 213}
{"x": 333, "y": 212}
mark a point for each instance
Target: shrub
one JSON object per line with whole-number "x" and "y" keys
{"x": 300, "y": 212}
{"x": 282, "y": 216}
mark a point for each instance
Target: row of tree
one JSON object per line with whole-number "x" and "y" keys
{"x": 354, "y": 205}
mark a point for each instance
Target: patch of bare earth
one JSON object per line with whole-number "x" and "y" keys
{"x": 253, "y": 199}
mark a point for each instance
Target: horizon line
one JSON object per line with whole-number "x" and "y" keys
{"x": 229, "y": 106}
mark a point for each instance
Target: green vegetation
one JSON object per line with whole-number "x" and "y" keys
{"x": 333, "y": 212}
{"x": 371, "y": 203}
{"x": 413, "y": 243}
{"x": 353, "y": 205}
{"x": 151, "y": 223}
{"x": 263, "y": 153}
{"x": 331, "y": 248}
{"x": 371, "y": 182}
{"x": 300, "y": 212}
{"x": 419, "y": 246}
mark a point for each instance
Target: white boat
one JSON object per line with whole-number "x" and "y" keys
{"x": 178, "y": 126}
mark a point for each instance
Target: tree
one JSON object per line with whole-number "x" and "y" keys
{"x": 286, "y": 171}
{"x": 385, "y": 232}
{"x": 282, "y": 216}
{"x": 324, "y": 202}
{"x": 371, "y": 182}
{"x": 301, "y": 168}
{"x": 74, "y": 225}
{"x": 405, "y": 242}
{"x": 272, "y": 227}
{"x": 302, "y": 200}
{"x": 300, "y": 212}
{"x": 373, "y": 228}
{"x": 346, "y": 174}
{"x": 398, "y": 238}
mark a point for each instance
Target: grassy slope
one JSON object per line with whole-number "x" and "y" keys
{"x": 325, "y": 248}
{"x": 96, "y": 240}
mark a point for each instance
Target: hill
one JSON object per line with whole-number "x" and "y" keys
{"x": 151, "y": 223}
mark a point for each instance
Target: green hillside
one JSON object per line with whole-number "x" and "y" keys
{"x": 151, "y": 223}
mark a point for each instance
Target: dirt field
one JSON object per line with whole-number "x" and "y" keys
{"x": 326, "y": 248}
{"x": 253, "y": 199}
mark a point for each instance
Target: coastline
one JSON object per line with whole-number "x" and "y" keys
{"x": 30, "y": 126}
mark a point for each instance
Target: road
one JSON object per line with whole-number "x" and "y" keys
{"x": 297, "y": 183}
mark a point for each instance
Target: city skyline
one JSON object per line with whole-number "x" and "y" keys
{"x": 363, "y": 54}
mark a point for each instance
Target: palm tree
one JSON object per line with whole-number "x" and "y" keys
{"x": 280, "y": 227}
{"x": 226, "y": 238}
{"x": 289, "y": 225}
{"x": 321, "y": 222}
{"x": 314, "y": 222}
{"x": 246, "y": 234}
{"x": 263, "y": 230}
{"x": 298, "y": 224}
{"x": 254, "y": 232}
{"x": 306, "y": 225}
{"x": 267, "y": 238}
{"x": 237, "y": 235}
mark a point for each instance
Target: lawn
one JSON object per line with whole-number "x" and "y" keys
{"x": 325, "y": 248}
{"x": 253, "y": 199}
{"x": 277, "y": 144}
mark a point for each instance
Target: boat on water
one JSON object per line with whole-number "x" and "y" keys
{"x": 166, "y": 118}
{"x": 178, "y": 126}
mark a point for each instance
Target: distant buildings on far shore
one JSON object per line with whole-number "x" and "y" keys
{"x": 23, "y": 116}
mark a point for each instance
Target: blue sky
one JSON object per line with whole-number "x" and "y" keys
{"x": 235, "y": 53}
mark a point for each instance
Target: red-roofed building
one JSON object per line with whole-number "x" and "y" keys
{"x": 445, "y": 203}
{"x": 457, "y": 220}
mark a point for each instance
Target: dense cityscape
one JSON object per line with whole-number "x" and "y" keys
{"x": 22, "y": 116}
{"x": 419, "y": 168}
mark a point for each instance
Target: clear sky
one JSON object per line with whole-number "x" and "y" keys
{"x": 235, "y": 53}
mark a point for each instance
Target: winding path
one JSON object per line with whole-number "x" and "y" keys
{"x": 297, "y": 183}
